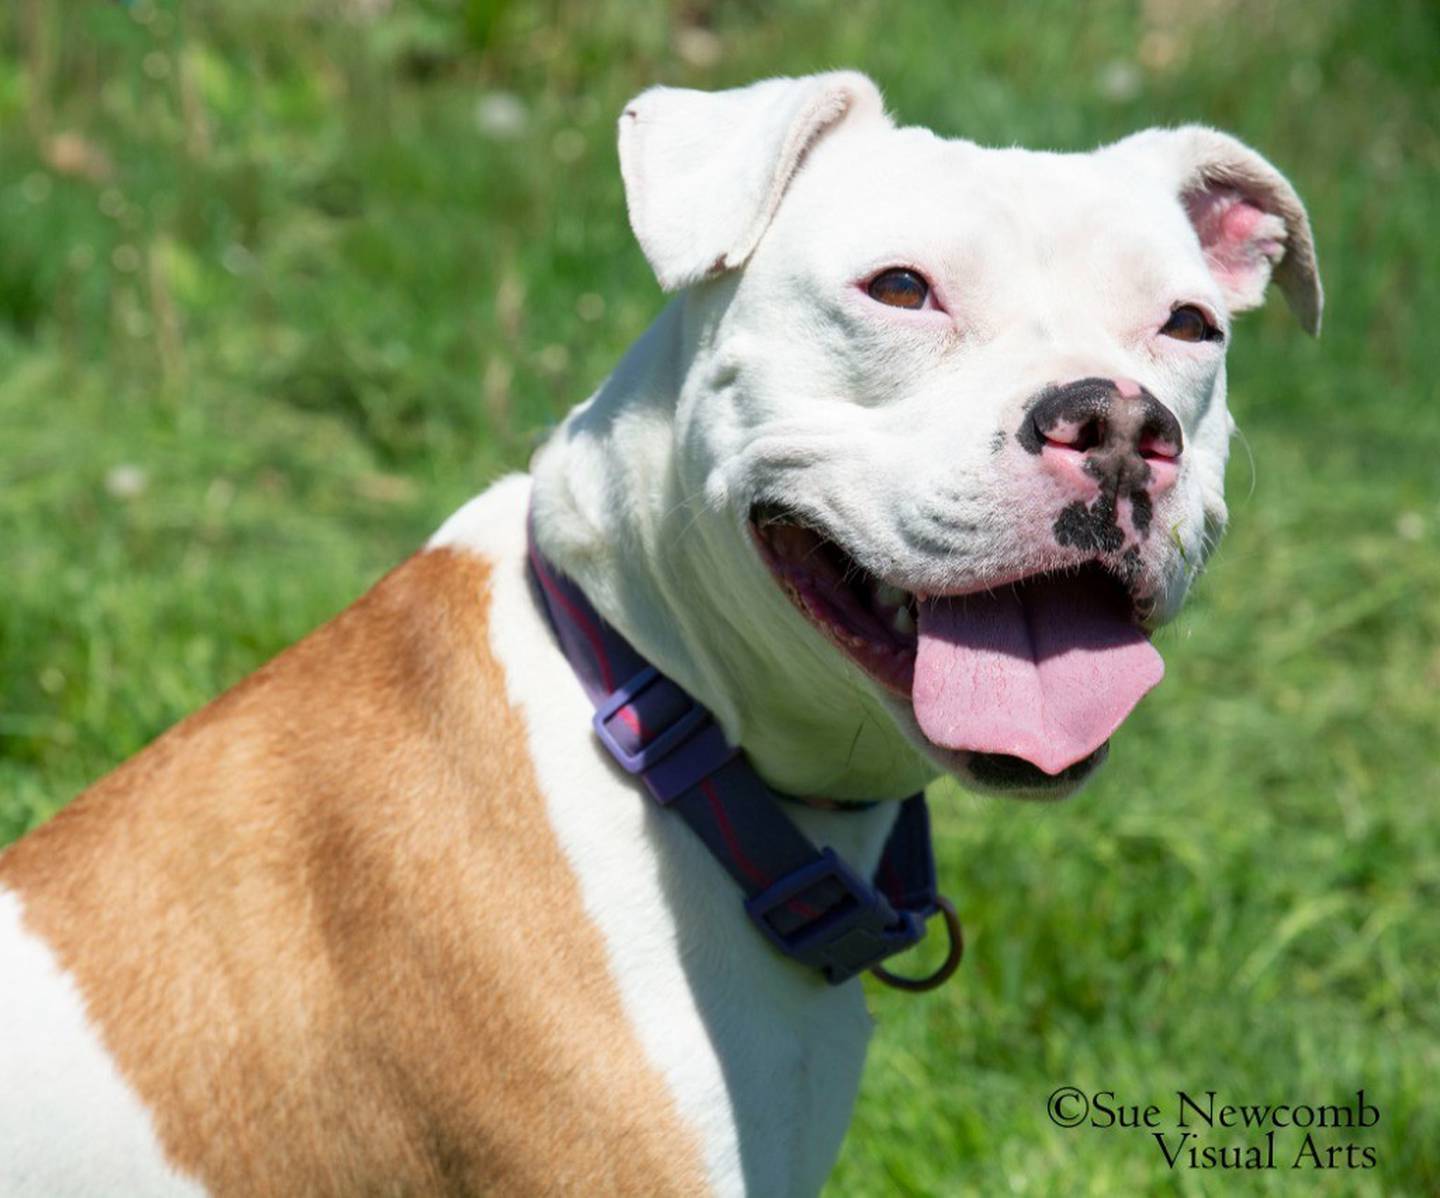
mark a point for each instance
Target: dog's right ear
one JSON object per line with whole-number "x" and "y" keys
{"x": 705, "y": 171}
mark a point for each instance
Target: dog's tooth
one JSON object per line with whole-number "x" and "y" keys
{"x": 903, "y": 622}
{"x": 889, "y": 596}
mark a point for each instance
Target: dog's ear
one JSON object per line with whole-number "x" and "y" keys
{"x": 1249, "y": 220}
{"x": 705, "y": 171}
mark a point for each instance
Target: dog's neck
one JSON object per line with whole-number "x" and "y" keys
{"x": 665, "y": 559}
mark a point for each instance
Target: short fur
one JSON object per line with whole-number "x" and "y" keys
{"x": 385, "y": 918}
{"x": 331, "y": 981}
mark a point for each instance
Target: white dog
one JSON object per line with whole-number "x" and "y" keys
{"x": 893, "y": 488}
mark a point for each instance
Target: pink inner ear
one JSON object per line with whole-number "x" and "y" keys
{"x": 1241, "y": 242}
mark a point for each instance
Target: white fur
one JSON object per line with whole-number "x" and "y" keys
{"x": 55, "y": 1074}
{"x": 782, "y": 380}
{"x": 705, "y": 171}
{"x": 762, "y": 1057}
{"x": 1194, "y": 161}
{"x": 777, "y": 378}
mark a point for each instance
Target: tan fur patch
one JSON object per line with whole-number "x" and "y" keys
{"x": 327, "y": 932}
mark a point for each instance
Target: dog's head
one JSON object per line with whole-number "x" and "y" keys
{"x": 951, "y": 430}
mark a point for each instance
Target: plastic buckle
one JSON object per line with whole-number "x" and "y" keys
{"x": 850, "y": 935}
{"x": 658, "y": 747}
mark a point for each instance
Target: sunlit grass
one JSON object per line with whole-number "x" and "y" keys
{"x": 279, "y": 289}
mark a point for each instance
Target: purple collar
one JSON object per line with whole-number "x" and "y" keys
{"x": 807, "y": 902}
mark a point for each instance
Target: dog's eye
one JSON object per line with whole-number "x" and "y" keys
{"x": 1188, "y": 323}
{"x": 899, "y": 288}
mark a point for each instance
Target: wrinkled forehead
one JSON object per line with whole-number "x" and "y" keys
{"x": 970, "y": 211}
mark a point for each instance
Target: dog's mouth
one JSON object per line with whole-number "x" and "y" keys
{"x": 1020, "y": 685}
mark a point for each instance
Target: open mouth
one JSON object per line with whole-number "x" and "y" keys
{"x": 1026, "y": 681}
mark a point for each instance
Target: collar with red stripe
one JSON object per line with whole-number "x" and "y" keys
{"x": 806, "y": 901}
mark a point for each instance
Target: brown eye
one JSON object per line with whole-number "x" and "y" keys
{"x": 899, "y": 288}
{"x": 1188, "y": 323}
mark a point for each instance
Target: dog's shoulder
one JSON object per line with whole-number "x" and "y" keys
{"x": 322, "y": 934}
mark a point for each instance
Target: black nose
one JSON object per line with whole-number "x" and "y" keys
{"x": 1096, "y": 413}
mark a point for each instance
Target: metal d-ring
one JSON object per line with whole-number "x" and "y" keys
{"x": 947, "y": 967}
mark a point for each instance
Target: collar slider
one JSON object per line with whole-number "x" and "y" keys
{"x": 654, "y": 729}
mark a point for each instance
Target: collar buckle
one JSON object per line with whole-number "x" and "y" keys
{"x": 825, "y": 916}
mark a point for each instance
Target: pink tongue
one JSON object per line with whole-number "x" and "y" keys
{"x": 1046, "y": 670}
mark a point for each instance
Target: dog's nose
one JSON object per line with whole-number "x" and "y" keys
{"x": 1107, "y": 431}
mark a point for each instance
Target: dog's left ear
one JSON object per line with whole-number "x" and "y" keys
{"x": 705, "y": 171}
{"x": 1248, "y": 218}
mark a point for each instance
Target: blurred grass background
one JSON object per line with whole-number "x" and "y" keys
{"x": 283, "y": 283}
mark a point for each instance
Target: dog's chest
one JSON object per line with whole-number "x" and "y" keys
{"x": 762, "y": 1059}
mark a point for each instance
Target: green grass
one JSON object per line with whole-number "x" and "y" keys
{"x": 268, "y": 257}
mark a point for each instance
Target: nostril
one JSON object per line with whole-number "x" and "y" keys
{"x": 1078, "y": 435}
{"x": 1092, "y": 433}
{"x": 1159, "y": 447}
{"x": 1160, "y": 435}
